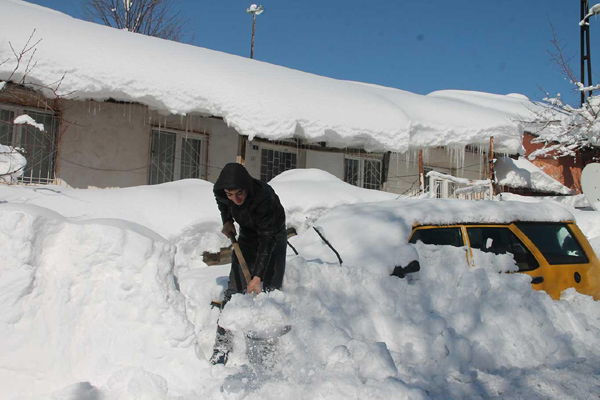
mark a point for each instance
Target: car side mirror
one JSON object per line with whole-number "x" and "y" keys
{"x": 411, "y": 268}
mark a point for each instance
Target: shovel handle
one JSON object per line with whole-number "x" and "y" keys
{"x": 240, "y": 257}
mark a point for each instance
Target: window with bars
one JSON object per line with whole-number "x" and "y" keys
{"x": 363, "y": 172}
{"x": 273, "y": 162}
{"x": 39, "y": 146}
{"x": 176, "y": 155}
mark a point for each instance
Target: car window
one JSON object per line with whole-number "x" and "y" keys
{"x": 500, "y": 240}
{"x": 556, "y": 242}
{"x": 439, "y": 236}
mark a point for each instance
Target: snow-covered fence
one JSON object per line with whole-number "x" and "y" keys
{"x": 450, "y": 187}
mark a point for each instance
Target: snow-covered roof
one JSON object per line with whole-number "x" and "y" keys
{"x": 522, "y": 173}
{"x": 256, "y": 98}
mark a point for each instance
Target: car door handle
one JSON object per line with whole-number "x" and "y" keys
{"x": 536, "y": 280}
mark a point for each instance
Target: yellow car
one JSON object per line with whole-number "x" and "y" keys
{"x": 556, "y": 255}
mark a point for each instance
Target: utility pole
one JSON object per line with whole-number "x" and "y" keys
{"x": 586, "y": 61}
{"x": 254, "y": 10}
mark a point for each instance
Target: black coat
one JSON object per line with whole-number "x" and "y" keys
{"x": 261, "y": 217}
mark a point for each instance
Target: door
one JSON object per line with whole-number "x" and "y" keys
{"x": 567, "y": 260}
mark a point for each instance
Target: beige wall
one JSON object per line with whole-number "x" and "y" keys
{"x": 108, "y": 144}
{"x": 327, "y": 161}
{"x": 103, "y": 145}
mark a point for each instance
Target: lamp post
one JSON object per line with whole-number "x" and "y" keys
{"x": 254, "y": 10}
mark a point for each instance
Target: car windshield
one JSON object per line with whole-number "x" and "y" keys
{"x": 555, "y": 241}
{"x": 439, "y": 236}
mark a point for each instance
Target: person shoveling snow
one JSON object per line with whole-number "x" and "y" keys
{"x": 256, "y": 208}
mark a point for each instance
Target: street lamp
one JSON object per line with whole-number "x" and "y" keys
{"x": 254, "y": 10}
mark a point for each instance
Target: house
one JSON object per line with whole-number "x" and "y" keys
{"x": 122, "y": 109}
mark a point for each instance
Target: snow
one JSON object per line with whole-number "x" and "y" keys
{"x": 90, "y": 306}
{"x": 370, "y": 239}
{"x": 462, "y": 181}
{"x": 522, "y": 173}
{"x": 78, "y": 299}
{"x": 12, "y": 163}
{"x": 255, "y": 98}
{"x": 310, "y": 193}
{"x": 27, "y": 120}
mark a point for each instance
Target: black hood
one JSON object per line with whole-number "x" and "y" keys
{"x": 234, "y": 176}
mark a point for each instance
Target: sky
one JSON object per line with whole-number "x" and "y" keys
{"x": 420, "y": 46}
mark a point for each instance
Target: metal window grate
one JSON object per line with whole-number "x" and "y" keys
{"x": 175, "y": 156}
{"x": 352, "y": 171}
{"x": 273, "y": 162}
{"x": 39, "y": 146}
{"x": 372, "y": 174}
{"x": 6, "y": 128}
{"x": 363, "y": 172}
{"x": 191, "y": 160}
{"x": 162, "y": 157}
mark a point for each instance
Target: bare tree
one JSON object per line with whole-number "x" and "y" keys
{"x": 565, "y": 130}
{"x": 13, "y": 158}
{"x": 159, "y": 18}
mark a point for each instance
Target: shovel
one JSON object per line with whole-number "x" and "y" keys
{"x": 260, "y": 345}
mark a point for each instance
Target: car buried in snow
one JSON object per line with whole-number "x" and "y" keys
{"x": 556, "y": 255}
{"x": 543, "y": 238}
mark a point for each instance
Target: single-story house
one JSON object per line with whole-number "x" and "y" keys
{"x": 122, "y": 109}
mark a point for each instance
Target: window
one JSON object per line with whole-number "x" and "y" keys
{"x": 273, "y": 162}
{"x": 438, "y": 236}
{"x": 363, "y": 172}
{"x": 499, "y": 240}
{"x": 175, "y": 155}
{"x": 555, "y": 241}
{"x": 39, "y": 146}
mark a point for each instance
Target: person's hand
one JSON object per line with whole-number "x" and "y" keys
{"x": 255, "y": 285}
{"x": 228, "y": 228}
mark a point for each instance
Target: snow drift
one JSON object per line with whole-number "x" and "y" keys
{"x": 90, "y": 308}
{"x": 88, "y": 302}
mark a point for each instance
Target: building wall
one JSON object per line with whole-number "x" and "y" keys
{"x": 108, "y": 144}
{"x": 103, "y": 145}
{"x": 327, "y": 161}
{"x": 566, "y": 170}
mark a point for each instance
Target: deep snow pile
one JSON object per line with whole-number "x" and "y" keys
{"x": 455, "y": 332}
{"x": 185, "y": 212}
{"x": 90, "y": 308}
{"x": 310, "y": 193}
{"x": 255, "y": 98}
{"x": 92, "y": 302}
